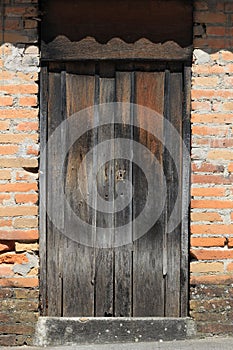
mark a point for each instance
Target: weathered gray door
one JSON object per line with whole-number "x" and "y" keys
{"x": 147, "y": 276}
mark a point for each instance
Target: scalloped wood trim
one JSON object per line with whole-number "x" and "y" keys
{"x": 63, "y": 49}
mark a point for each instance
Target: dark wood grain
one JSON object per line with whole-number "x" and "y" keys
{"x": 148, "y": 284}
{"x": 105, "y": 185}
{"x": 116, "y": 49}
{"x": 78, "y": 281}
{"x": 123, "y": 173}
{"x": 173, "y": 172}
{"x": 150, "y": 276}
{"x": 55, "y": 117}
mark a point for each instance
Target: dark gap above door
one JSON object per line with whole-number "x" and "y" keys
{"x": 130, "y": 20}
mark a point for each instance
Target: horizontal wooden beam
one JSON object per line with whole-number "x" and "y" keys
{"x": 62, "y": 49}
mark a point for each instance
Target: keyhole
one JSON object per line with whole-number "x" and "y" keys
{"x": 120, "y": 174}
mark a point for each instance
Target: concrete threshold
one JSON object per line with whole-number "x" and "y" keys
{"x": 69, "y": 331}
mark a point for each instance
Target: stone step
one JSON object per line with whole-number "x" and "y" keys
{"x": 99, "y": 330}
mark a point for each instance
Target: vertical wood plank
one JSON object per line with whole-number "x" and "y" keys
{"x": 55, "y": 117}
{"x": 148, "y": 284}
{"x": 184, "y": 280}
{"x": 78, "y": 283}
{"x": 123, "y": 172}
{"x": 104, "y": 290}
{"x": 42, "y": 183}
{"x": 173, "y": 114}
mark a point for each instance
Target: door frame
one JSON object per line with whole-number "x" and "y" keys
{"x": 185, "y": 190}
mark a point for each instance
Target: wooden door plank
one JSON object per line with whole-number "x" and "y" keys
{"x": 123, "y": 173}
{"x": 105, "y": 185}
{"x": 148, "y": 284}
{"x": 78, "y": 283}
{"x": 173, "y": 173}
{"x": 55, "y": 117}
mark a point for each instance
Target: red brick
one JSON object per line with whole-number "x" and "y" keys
{"x": 5, "y": 174}
{"x": 28, "y": 282}
{"x": 6, "y": 101}
{"x": 8, "y": 149}
{"x": 210, "y": 254}
{"x": 207, "y": 168}
{"x": 207, "y": 216}
{"x": 216, "y": 31}
{"x": 26, "y": 198}
{"x": 212, "y": 204}
{"x": 212, "y": 117}
{"x": 211, "y": 179}
{"x": 4, "y": 197}
{"x": 19, "y": 113}
{"x": 28, "y": 126}
{"x": 6, "y": 271}
{"x": 207, "y": 242}
{"x": 18, "y": 187}
{"x": 211, "y": 279}
{"x": 220, "y": 154}
{"x": 208, "y": 17}
{"x": 19, "y": 210}
{"x": 212, "y": 229}
{"x": 208, "y": 192}
{"x": 4, "y": 125}
{"x": 205, "y": 81}
{"x": 28, "y": 101}
{"x": 227, "y": 56}
{"x": 23, "y": 88}
{"x": 19, "y": 235}
{"x": 214, "y": 130}
{"x": 17, "y": 138}
{"x": 12, "y": 258}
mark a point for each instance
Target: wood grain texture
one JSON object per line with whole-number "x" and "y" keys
{"x": 148, "y": 284}
{"x": 173, "y": 172}
{"x": 147, "y": 277}
{"x": 78, "y": 283}
{"x": 123, "y": 173}
{"x": 116, "y": 49}
{"x": 105, "y": 185}
{"x": 55, "y": 117}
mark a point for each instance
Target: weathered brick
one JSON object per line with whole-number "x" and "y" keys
{"x": 26, "y": 198}
{"x": 210, "y": 254}
{"x": 21, "y": 247}
{"x": 208, "y": 242}
{"x": 19, "y": 211}
{"x": 211, "y": 279}
{"x": 199, "y": 267}
{"x": 18, "y": 187}
{"x": 212, "y": 229}
{"x": 19, "y": 235}
{"x": 25, "y": 223}
{"x": 207, "y": 216}
{"x": 28, "y": 282}
{"x": 13, "y": 258}
{"x": 208, "y": 192}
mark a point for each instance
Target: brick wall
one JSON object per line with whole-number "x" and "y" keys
{"x": 19, "y": 60}
{"x": 212, "y": 168}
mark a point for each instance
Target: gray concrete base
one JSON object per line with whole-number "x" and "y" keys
{"x": 99, "y": 330}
